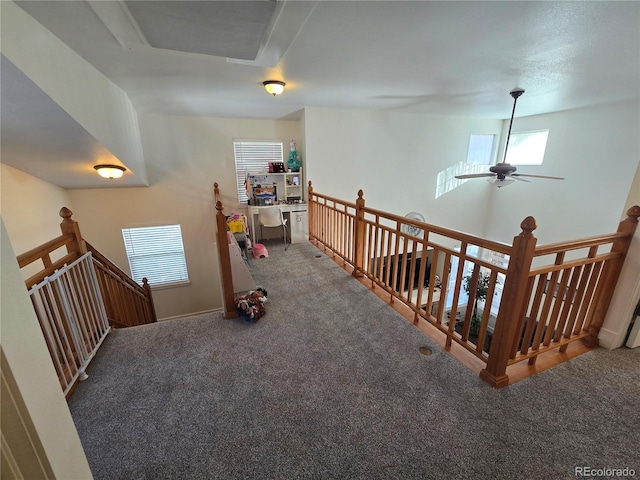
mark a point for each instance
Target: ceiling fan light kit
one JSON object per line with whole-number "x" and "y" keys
{"x": 274, "y": 87}
{"x": 503, "y": 172}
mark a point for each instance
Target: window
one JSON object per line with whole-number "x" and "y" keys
{"x": 481, "y": 150}
{"x": 254, "y": 157}
{"x": 156, "y": 253}
{"x": 527, "y": 148}
{"x": 480, "y": 154}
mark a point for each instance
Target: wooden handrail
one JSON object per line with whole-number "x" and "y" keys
{"x": 540, "y": 309}
{"x": 42, "y": 252}
{"x": 577, "y": 244}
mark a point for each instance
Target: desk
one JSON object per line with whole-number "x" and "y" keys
{"x": 298, "y": 223}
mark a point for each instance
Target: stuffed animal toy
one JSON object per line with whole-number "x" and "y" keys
{"x": 252, "y": 304}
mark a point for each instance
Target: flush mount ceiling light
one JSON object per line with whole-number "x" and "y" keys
{"x": 110, "y": 171}
{"x": 274, "y": 87}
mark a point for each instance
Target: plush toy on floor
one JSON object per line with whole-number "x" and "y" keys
{"x": 252, "y": 304}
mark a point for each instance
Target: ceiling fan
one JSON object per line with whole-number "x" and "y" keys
{"x": 503, "y": 172}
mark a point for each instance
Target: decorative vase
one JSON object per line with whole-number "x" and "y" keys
{"x": 293, "y": 162}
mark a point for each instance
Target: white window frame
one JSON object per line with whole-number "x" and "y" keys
{"x": 157, "y": 253}
{"x": 253, "y": 156}
{"x": 527, "y": 148}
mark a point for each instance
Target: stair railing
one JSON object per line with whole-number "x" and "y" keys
{"x": 542, "y": 306}
{"x": 126, "y": 303}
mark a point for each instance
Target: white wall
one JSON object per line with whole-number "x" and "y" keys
{"x": 186, "y": 156}
{"x": 30, "y": 364}
{"x": 627, "y": 293}
{"x": 30, "y": 208}
{"x": 395, "y": 159}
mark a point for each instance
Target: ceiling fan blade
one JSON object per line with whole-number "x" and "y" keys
{"x": 517, "y": 177}
{"x": 536, "y": 176}
{"x": 474, "y": 175}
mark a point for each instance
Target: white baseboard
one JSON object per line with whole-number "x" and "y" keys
{"x": 190, "y": 314}
{"x": 610, "y": 339}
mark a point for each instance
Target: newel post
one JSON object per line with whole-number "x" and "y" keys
{"x": 611, "y": 273}
{"x": 358, "y": 236}
{"x": 70, "y": 226}
{"x": 216, "y": 192}
{"x": 228, "y": 295}
{"x": 311, "y": 211}
{"x": 152, "y": 307}
{"x": 513, "y": 296}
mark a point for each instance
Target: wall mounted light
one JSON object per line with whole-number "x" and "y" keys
{"x": 274, "y": 87}
{"x": 110, "y": 171}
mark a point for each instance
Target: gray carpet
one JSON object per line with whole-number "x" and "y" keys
{"x": 330, "y": 384}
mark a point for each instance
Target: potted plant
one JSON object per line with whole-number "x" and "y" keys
{"x": 480, "y": 294}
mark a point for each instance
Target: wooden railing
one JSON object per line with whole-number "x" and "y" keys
{"x": 226, "y": 278}
{"x": 126, "y": 302}
{"x": 78, "y": 298}
{"x": 528, "y": 305}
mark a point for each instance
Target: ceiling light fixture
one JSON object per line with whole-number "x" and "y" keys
{"x": 274, "y": 87}
{"x": 501, "y": 182}
{"x": 110, "y": 171}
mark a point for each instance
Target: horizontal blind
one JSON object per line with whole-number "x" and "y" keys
{"x": 254, "y": 157}
{"x": 156, "y": 253}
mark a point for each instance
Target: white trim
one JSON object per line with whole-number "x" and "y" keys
{"x": 187, "y": 315}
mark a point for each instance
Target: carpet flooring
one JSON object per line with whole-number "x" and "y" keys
{"x": 330, "y": 384}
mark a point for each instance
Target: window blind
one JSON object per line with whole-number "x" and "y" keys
{"x": 254, "y": 157}
{"x": 156, "y": 253}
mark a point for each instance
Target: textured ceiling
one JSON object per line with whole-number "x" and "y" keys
{"x": 443, "y": 58}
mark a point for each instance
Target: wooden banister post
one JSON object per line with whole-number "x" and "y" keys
{"x": 216, "y": 192}
{"x": 70, "y": 226}
{"x": 522, "y": 251}
{"x": 611, "y": 273}
{"x": 147, "y": 289}
{"x": 311, "y": 211}
{"x": 228, "y": 294}
{"x": 358, "y": 235}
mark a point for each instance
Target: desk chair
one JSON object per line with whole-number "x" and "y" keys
{"x": 271, "y": 218}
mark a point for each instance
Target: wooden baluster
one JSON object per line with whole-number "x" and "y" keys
{"x": 359, "y": 236}
{"x": 512, "y": 298}
{"x": 69, "y": 225}
{"x": 228, "y": 294}
{"x": 611, "y": 273}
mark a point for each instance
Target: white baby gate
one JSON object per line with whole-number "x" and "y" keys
{"x": 69, "y": 307}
